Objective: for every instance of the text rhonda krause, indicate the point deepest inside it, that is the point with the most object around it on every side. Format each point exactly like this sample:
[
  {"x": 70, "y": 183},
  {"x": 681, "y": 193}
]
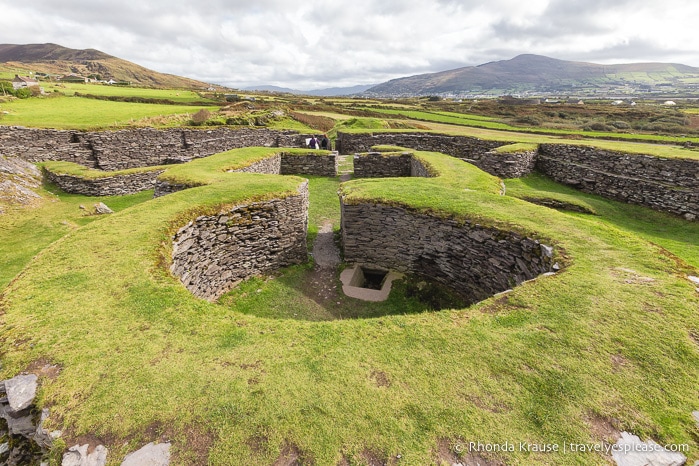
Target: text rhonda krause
[{"x": 566, "y": 447}]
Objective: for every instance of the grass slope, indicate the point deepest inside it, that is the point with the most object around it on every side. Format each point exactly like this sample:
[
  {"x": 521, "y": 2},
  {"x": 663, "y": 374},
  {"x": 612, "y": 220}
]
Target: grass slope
[{"x": 611, "y": 340}]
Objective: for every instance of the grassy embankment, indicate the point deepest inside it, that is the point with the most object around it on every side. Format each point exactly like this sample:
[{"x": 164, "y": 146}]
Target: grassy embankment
[{"x": 607, "y": 342}]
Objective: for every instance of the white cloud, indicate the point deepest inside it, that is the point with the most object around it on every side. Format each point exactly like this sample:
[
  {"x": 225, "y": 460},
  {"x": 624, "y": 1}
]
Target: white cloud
[{"x": 314, "y": 43}]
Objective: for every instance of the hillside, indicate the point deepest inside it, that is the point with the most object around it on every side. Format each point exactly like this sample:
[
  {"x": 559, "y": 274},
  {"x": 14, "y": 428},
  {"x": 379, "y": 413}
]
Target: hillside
[
  {"x": 55, "y": 59},
  {"x": 535, "y": 74}
]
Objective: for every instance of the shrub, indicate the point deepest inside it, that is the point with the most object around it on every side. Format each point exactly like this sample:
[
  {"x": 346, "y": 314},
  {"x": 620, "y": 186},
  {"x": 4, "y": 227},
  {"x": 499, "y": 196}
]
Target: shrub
[
  {"x": 23, "y": 93},
  {"x": 200, "y": 117},
  {"x": 620, "y": 124},
  {"x": 528, "y": 120}
]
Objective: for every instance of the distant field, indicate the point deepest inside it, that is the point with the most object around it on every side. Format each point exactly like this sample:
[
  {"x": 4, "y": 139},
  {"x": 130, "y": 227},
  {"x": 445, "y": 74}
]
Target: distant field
[
  {"x": 124, "y": 91},
  {"x": 83, "y": 113},
  {"x": 488, "y": 123}
]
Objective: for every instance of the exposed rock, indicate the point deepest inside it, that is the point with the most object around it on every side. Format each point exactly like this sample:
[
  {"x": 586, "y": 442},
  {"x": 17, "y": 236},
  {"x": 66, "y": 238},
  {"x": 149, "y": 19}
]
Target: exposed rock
[
  {"x": 150, "y": 455},
  {"x": 695, "y": 414},
  {"x": 80, "y": 455},
  {"x": 631, "y": 451},
  {"x": 101, "y": 209},
  {"x": 21, "y": 391}
]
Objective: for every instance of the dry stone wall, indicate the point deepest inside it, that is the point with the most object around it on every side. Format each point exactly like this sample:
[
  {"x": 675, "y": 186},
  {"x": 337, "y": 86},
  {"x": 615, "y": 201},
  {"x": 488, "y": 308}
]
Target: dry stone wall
[
  {"x": 386, "y": 165},
  {"x": 311, "y": 164},
  {"x": 475, "y": 261},
  {"x": 213, "y": 253},
  {"x": 131, "y": 148},
  {"x": 472, "y": 150},
  {"x": 118, "y": 185},
  {"x": 282, "y": 163},
  {"x": 669, "y": 185}
]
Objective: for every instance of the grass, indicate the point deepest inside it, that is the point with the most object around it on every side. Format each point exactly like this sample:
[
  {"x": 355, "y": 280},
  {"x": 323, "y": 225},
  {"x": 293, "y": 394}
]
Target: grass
[
  {"x": 140, "y": 357},
  {"x": 487, "y": 123},
  {"x": 612, "y": 339},
  {"x": 74, "y": 169},
  {"x": 82, "y": 113}
]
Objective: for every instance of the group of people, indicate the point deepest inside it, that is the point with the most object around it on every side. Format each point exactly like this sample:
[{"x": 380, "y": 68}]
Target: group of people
[{"x": 317, "y": 142}]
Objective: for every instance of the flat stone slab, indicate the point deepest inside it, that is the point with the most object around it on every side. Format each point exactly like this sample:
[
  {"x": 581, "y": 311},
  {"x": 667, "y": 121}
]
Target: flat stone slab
[
  {"x": 21, "y": 391},
  {"x": 695, "y": 414},
  {"x": 150, "y": 455},
  {"x": 78, "y": 455},
  {"x": 366, "y": 294},
  {"x": 629, "y": 450}
]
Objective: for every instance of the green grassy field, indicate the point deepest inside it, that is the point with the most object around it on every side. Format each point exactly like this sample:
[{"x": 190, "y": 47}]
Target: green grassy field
[
  {"x": 488, "y": 123},
  {"x": 608, "y": 343},
  {"x": 82, "y": 113},
  {"x": 269, "y": 371}
]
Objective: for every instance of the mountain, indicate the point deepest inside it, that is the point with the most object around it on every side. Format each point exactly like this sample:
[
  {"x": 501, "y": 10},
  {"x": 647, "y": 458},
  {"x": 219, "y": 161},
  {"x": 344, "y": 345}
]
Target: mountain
[
  {"x": 329, "y": 92},
  {"x": 54, "y": 59},
  {"x": 538, "y": 74}
]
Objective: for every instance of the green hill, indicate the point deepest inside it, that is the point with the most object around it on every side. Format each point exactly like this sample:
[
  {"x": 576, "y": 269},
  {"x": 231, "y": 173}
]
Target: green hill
[
  {"x": 539, "y": 74},
  {"x": 57, "y": 60}
]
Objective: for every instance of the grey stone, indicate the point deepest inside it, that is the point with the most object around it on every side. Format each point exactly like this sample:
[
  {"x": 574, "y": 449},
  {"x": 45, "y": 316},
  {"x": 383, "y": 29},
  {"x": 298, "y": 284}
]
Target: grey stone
[
  {"x": 695, "y": 414},
  {"x": 18, "y": 422},
  {"x": 21, "y": 391},
  {"x": 150, "y": 455},
  {"x": 631, "y": 451},
  {"x": 101, "y": 208},
  {"x": 4, "y": 448},
  {"x": 693, "y": 279},
  {"x": 78, "y": 455}
]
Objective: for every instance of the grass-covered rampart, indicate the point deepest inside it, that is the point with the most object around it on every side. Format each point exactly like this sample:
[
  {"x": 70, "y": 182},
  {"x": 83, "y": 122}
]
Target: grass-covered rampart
[{"x": 611, "y": 343}]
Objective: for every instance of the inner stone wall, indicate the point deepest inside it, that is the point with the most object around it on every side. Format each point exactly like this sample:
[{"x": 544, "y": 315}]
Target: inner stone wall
[
  {"x": 475, "y": 261},
  {"x": 213, "y": 253},
  {"x": 472, "y": 150},
  {"x": 669, "y": 185},
  {"x": 131, "y": 148},
  {"x": 108, "y": 186},
  {"x": 386, "y": 165}
]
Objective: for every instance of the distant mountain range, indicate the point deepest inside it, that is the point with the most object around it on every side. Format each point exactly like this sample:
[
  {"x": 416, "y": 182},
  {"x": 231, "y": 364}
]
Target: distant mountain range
[
  {"x": 331, "y": 91},
  {"x": 524, "y": 75},
  {"x": 535, "y": 74},
  {"x": 54, "y": 59}
]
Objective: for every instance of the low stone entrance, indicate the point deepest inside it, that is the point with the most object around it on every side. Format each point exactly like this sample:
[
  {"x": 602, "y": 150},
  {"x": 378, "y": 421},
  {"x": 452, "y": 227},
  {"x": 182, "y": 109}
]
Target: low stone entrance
[{"x": 368, "y": 283}]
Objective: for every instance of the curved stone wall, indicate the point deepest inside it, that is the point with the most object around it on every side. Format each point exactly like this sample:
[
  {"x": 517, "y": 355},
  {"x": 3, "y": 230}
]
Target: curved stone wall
[
  {"x": 132, "y": 148},
  {"x": 669, "y": 185},
  {"x": 213, "y": 253},
  {"x": 117, "y": 185},
  {"x": 472, "y": 150},
  {"x": 475, "y": 261}
]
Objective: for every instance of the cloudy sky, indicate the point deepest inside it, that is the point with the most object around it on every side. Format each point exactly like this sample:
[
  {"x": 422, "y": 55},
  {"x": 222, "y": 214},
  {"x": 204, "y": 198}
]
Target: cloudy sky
[{"x": 313, "y": 44}]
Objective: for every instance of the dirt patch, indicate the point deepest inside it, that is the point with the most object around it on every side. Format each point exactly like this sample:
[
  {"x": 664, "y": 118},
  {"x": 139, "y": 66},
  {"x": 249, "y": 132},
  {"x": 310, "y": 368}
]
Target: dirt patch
[
  {"x": 694, "y": 336},
  {"x": 292, "y": 455},
  {"x": 454, "y": 452},
  {"x": 618, "y": 362},
  {"x": 258, "y": 444},
  {"x": 604, "y": 429},
  {"x": 43, "y": 368},
  {"x": 374, "y": 458},
  {"x": 487, "y": 405},
  {"x": 321, "y": 283},
  {"x": 631, "y": 277},
  {"x": 380, "y": 378}
]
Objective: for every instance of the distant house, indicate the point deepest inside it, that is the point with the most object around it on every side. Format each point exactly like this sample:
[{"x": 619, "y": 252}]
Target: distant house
[{"x": 21, "y": 81}]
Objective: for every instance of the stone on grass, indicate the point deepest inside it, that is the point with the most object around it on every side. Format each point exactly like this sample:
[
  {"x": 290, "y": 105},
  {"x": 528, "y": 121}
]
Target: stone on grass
[
  {"x": 696, "y": 417},
  {"x": 78, "y": 455},
  {"x": 150, "y": 455},
  {"x": 101, "y": 208},
  {"x": 631, "y": 451},
  {"x": 21, "y": 391}
]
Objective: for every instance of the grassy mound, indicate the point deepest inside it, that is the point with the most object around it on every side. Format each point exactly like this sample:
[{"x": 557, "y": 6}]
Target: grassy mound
[{"x": 610, "y": 343}]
